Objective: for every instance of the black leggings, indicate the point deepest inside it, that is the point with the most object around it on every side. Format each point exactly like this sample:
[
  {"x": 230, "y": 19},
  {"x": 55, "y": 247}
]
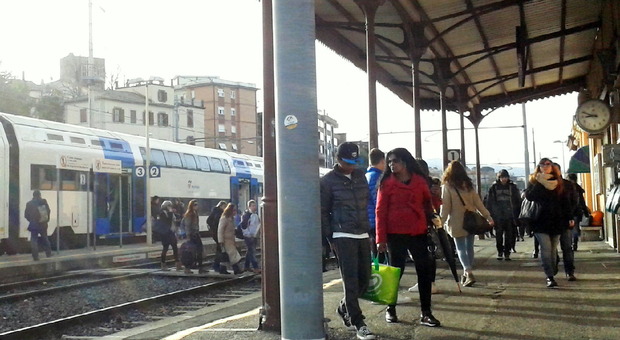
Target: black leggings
[
  {"x": 398, "y": 245},
  {"x": 168, "y": 240}
]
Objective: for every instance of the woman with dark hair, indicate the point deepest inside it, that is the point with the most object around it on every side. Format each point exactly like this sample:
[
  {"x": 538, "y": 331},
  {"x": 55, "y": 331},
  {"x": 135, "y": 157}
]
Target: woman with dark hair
[
  {"x": 226, "y": 238},
  {"x": 546, "y": 187},
  {"x": 190, "y": 223},
  {"x": 458, "y": 195},
  {"x": 403, "y": 205}
]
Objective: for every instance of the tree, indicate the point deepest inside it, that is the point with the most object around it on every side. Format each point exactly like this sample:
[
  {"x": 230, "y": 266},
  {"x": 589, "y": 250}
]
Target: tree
[
  {"x": 14, "y": 96},
  {"x": 50, "y": 108}
]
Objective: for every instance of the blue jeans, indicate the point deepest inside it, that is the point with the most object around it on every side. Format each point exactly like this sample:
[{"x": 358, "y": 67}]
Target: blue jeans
[
  {"x": 568, "y": 257},
  {"x": 548, "y": 252},
  {"x": 465, "y": 251},
  {"x": 250, "y": 255}
]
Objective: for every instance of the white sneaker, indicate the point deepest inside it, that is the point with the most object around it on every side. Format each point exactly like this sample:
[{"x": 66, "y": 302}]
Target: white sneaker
[
  {"x": 414, "y": 288},
  {"x": 365, "y": 334}
]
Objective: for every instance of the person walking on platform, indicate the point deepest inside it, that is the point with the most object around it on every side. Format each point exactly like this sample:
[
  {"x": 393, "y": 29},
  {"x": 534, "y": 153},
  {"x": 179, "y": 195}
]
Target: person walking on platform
[
  {"x": 250, "y": 235},
  {"x": 213, "y": 222},
  {"x": 436, "y": 205},
  {"x": 38, "y": 215},
  {"x": 504, "y": 203},
  {"x": 458, "y": 195},
  {"x": 190, "y": 223},
  {"x": 547, "y": 188},
  {"x": 582, "y": 210},
  {"x": 226, "y": 238},
  {"x": 373, "y": 173},
  {"x": 344, "y": 222},
  {"x": 168, "y": 237},
  {"x": 566, "y": 238},
  {"x": 403, "y": 208}
]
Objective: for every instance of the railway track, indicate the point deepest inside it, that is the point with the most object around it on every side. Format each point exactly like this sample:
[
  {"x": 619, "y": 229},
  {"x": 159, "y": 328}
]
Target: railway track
[{"x": 219, "y": 291}]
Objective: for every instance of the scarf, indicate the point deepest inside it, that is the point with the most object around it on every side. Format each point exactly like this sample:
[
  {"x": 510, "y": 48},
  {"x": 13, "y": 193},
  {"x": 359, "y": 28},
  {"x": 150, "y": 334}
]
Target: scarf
[{"x": 547, "y": 181}]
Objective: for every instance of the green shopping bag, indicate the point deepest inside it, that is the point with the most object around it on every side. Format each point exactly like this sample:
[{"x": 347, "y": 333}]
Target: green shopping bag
[{"x": 383, "y": 285}]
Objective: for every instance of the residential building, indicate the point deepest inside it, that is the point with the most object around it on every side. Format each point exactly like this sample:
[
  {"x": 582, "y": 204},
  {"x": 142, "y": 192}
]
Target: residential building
[
  {"x": 123, "y": 110},
  {"x": 328, "y": 141},
  {"x": 231, "y": 121}
]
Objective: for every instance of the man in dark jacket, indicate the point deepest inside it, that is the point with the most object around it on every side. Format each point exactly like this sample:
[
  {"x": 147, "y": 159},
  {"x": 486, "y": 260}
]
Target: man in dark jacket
[
  {"x": 344, "y": 222},
  {"x": 504, "y": 203},
  {"x": 213, "y": 222},
  {"x": 38, "y": 214}
]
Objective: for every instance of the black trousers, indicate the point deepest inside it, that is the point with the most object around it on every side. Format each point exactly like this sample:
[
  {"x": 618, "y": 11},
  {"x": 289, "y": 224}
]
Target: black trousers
[
  {"x": 169, "y": 240},
  {"x": 504, "y": 236},
  {"x": 398, "y": 245},
  {"x": 354, "y": 260}
]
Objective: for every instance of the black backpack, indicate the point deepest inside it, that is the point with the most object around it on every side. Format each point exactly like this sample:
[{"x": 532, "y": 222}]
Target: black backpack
[{"x": 245, "y": 219}]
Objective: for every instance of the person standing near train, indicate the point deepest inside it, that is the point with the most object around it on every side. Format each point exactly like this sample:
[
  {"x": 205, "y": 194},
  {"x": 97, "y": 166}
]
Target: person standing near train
[
  {"x": 226, "y": 238},
  {"x": 250, "y": 235},
  {"x": 213, "y": 222},
  {"x": 38, "y": 214},
  {"x": 168, "y": 238},
  {"x": 190, "y": 223}
]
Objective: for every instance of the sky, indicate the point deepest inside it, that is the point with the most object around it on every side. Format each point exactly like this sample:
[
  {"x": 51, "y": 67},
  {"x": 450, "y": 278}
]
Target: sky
[{"x": 144, "y": 38}]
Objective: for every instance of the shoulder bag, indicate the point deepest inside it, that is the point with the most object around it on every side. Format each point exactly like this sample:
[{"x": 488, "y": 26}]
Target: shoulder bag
[
  {"x": 530, "y": 210},
  {"x": 473, "y": 222}
]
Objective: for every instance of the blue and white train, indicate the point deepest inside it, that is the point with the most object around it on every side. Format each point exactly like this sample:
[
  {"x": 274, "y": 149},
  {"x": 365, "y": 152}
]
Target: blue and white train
[{"x": 111, "y": 204}]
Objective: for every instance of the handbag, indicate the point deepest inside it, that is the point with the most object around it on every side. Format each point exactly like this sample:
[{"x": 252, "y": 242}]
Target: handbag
[
  {"x": 239, "y": 233},
  {"x": 383, "y": 284},
  {"x": 530, "y": 210},
  {"x": 473, "y": 222}
]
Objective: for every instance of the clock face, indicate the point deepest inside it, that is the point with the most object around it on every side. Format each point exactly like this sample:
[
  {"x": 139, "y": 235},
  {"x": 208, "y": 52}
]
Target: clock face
[{"x": 593, "y": 115}]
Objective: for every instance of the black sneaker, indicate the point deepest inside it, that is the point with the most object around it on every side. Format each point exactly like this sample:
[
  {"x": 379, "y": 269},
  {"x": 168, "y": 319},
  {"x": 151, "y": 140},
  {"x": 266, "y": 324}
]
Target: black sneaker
[
  {"x": 499, "y": 257},
  {"x": 534, "y": 255},
  {"x": 551, "y": 282},
  {"x": 571, "y": 277},
  {"x": 427, "y": 319},
  {"x": 390, "y": 315},
  {"x": 507, "y": 257},
  {"x": 345, "y": 318}
]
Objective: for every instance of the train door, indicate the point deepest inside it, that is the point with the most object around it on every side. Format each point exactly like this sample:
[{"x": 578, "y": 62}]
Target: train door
[{"x": 111, "y": 204}]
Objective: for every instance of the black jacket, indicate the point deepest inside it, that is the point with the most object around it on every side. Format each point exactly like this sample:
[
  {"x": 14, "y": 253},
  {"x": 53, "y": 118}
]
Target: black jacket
[
  {"x": 556, "y": 209},
  {"x": 33, "y": 216},
  {"x": 344, "y": 203},
  {"x": 494, "y": 205},
  {"x": 213, "y": 221}
]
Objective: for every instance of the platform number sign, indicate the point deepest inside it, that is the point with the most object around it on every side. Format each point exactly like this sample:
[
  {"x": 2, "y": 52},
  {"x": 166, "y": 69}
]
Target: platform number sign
[
  {"x": 454, "y": 154},
  {"x": 154, "y": 171}
]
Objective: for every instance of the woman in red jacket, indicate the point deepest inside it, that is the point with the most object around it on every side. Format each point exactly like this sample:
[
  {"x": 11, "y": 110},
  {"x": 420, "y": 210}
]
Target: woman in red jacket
[{"x": 403, "y": 204}]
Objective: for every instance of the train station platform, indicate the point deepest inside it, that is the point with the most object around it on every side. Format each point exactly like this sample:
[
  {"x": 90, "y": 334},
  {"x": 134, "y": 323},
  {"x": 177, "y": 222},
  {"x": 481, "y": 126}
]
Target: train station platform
[
  {"x": 510, "y": 300},
  {"x": 22, "y": 266}
]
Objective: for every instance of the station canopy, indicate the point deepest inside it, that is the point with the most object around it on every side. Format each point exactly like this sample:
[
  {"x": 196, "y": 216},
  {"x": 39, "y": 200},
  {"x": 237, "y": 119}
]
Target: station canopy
[{"x": 485, "y": 53}]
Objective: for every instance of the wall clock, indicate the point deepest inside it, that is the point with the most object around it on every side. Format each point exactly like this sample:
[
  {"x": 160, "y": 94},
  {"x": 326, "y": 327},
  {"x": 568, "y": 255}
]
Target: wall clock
[{"x": 593, "y": 116}]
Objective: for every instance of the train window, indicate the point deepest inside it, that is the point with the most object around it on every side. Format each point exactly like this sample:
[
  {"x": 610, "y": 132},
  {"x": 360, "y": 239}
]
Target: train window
[
  {"x": 257, "y": 165},
  {"x": 157, "y": 157},
  {"x": 190, "y": 161},
  {"x": 204, "y": 163},
  {"x": 116, "y": 146},
  {"x": 226, "y": 166},
  {"x": 70, "y": 180},
  {"x": 249, "y": 164},
  {"x": 216, "y": 165},
  {"x": 95, "y": 142},
  {"x": 173, "y": 159},
  {"x": 42, "y": 177},
  {"x": 51, "y": 136},
  {"x": 237, "y": 162},
  {"x": 77, "y": 140}
]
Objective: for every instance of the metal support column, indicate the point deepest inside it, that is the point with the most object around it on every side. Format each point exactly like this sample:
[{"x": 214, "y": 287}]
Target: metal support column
[
  {"x": 270, "y": 312},
  {"x": 369, "y": 7},
  {"x": 444, "y": 126},
  {"x": 461, "y": 94},
  {"x": 417, "y": 46},
  {"x": 299, "y": 222},
  {"x": 526, "y": 154}
]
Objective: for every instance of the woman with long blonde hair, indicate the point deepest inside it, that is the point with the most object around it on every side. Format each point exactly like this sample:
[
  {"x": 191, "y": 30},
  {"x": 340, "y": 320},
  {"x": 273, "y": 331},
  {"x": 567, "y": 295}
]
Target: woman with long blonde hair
[
  {"x": 546, "y": 187},
  {"x": 458, "y": 195}
]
